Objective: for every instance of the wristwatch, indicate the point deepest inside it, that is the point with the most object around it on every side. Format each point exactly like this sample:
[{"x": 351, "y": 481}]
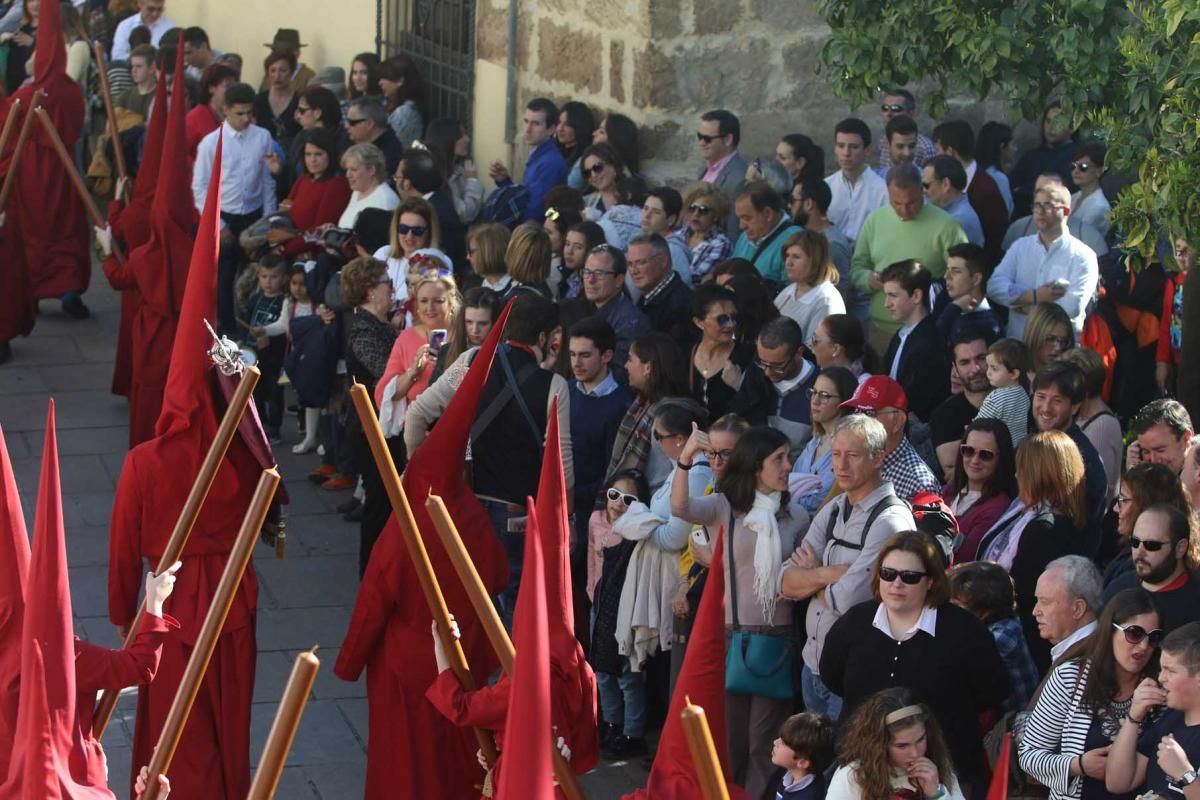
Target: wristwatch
[{"x": 1186, "y": 779}]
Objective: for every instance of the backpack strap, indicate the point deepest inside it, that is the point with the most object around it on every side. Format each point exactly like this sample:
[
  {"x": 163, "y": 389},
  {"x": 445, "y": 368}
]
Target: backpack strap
[
  {"x": 509, "y": 391},
  {"x": 889, "y": 501},
  {"x": 732, "y": 569}
]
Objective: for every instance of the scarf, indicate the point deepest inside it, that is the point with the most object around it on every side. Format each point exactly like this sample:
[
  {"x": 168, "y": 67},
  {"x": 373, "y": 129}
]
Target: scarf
[
  {"x": 767, "y": 558},
  {"x": 1003, "y": 548}
]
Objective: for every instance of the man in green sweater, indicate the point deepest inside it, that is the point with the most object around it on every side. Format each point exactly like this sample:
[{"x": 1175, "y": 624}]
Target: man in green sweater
[{"x": 906, "y": 228}]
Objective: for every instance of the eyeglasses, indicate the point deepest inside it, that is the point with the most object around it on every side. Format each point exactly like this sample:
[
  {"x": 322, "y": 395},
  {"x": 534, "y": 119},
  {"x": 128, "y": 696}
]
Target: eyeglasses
[
  {"x": 909, "y": 576},
  {"x": 1046, "y": 208},
  {"x": 705, "y": 138},
  {"x": 727, "y": 321},
  {"x": 552, "y": 214},
  {"x": 821, "y": 397},
  {"x": 868, "y": 412},
  {"x": 1082, "y": 166},
  {"x": 697, "y": 208},
  {"x": 969, "y": 452},
  {"x": 1136, "y": 634},
  {"x": 1151, "y": 545},
  {"x": 658, "y": 437},
  {"x": 1061, "y": 341},
  {"x": 772, "y": 367},
  {"x": 616, "y": 494},
  {"x": 595, "y": 169},
  {"x": 1120, "y": 501},
  {"x": 350, "y": 123},
  {"x": 596, "y": 274},
  {"x": 718, "y": 455},
  {"x": 892, "y": 108},
  {"x": 415, "y": 230},
  {"x": 303, "y": 109},
  {"x": 640, "y": 263}
]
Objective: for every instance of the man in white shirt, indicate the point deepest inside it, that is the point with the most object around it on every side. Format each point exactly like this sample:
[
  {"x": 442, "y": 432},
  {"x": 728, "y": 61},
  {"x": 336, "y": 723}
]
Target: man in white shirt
[
  {"x": 1051, "y": 267},
  {"x": 150, "y": 14},
  {"x": 857, "y": 190},
  {"x": 1067, "y": 600},
  {"x": 247, "y": 188}
]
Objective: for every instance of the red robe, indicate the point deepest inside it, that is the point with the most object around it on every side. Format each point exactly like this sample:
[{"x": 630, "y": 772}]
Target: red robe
[{"x": 18, "y": 310}]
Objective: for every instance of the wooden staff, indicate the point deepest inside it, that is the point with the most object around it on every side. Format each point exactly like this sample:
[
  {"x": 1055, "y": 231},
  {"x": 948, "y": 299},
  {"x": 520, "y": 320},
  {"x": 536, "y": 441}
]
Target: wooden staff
[
  {"x": 10, "y": 180},
  {"x": 187, "y": 518},
  {"x": 704, "y": 752},
  {"x": 210, "y": 631},
  {"x": 80, "y": 188},
  {"x": 283, "y": 729},
  {"x": 10, "y": 122},
  {"x": 490, "y": 620},
  {"x": 416, "y": 550},
  {"x": 114, "y": 135}
]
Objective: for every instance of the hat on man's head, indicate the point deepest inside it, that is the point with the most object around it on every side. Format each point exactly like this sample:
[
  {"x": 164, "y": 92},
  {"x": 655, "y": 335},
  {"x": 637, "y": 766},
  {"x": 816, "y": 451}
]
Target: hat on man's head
[
  {"x": 876, "y": 393},
  {"x": 285, "y": 38}
]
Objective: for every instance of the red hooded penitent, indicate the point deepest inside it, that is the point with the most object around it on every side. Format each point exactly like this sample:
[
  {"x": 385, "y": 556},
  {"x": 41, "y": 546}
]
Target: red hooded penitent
[
  {"x": 52, "y": 221},
  {"x": 389, "y": 629},
  {"x": 14, "y": 571},
  {"x": 131, "y": 228}
]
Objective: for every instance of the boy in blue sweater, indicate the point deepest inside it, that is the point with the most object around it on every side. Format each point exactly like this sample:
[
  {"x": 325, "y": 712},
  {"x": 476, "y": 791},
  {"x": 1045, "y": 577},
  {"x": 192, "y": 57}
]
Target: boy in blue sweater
[{"x": 805, "y": 749}]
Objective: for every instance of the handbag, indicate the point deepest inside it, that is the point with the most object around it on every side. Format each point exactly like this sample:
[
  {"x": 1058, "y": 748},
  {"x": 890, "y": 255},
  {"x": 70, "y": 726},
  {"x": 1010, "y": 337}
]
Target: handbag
[{"x": 756, "y": 663}]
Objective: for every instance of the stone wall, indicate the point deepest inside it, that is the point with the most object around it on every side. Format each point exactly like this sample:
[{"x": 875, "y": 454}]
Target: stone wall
[{"x": 665, "y": 62}]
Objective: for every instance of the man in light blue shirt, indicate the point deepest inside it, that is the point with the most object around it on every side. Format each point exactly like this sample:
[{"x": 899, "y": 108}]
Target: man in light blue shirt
[{"x": 945, "y": 184}]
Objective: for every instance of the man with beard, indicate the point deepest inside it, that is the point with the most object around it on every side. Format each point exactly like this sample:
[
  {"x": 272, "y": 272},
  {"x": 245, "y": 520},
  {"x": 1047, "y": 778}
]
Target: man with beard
[
  {"x": 1160, "y": 558},
  {"x": 969, "y": 366}
]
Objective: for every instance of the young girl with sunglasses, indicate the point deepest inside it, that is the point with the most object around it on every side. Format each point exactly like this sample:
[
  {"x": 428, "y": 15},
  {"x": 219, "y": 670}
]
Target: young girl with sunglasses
[
  {"x": 914, "y": 636},
  {"x": 1083, "y": 702},
  {"x": 893, "y": 747}
]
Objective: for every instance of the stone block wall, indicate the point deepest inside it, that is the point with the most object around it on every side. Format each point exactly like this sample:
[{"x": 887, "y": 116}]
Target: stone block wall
[{"x": 665, "y": 62}]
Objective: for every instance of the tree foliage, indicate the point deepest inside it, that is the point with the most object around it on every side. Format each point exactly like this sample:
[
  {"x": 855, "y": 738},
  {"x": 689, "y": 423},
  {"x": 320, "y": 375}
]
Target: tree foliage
[{"x": 1128, "y": 69}]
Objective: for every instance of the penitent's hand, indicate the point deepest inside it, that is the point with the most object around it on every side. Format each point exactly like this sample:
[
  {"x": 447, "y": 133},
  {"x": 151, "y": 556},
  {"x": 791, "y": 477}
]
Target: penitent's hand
[
  {"x": 143, "y": 781},
  {"x": 104, "y": 238},
  {"x": 159, "y": 588}
]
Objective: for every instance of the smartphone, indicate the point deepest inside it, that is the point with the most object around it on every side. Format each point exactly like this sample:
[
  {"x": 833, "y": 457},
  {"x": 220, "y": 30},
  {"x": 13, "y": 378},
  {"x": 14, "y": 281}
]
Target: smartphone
[
  {"x": 1061, "y": 283},
  {"x": 436, "y": 339}
]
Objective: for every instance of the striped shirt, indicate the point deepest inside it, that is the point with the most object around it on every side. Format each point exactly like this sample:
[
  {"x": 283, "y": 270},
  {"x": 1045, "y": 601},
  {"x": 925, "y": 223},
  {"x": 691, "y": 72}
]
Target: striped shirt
[{"x": 1010, "y": 405}]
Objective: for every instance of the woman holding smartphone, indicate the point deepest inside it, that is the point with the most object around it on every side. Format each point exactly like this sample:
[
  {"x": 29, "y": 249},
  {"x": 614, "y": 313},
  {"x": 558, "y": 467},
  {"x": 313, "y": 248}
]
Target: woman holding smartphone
[{"x": 411, "y": 363}]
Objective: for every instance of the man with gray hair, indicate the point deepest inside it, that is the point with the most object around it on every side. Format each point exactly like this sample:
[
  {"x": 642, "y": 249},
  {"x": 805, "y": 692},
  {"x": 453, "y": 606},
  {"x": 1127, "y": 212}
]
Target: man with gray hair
[
  {"x": 1067, "y": 600},
  {"x": 665, "y": 298},
  {"x": 832, "y": 567},
  {"x": 367, "y": 123}
]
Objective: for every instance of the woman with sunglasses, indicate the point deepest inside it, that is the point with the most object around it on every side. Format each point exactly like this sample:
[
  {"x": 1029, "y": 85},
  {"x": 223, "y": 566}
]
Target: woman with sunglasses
[
  {"x": 414, "y": 227},
  {"x": 751, "y": 505},
  {"x": 1085, "y": 699},
  {"x": 983, "y": 485},
  {"x": 1045, "y": 521},
  {"x": 704, "y": 205},
  {"x": 1141, "y": 487},
  {"x": 602, "y": 169},
  {"x": 812, "y": 294},
  {"x": 1048, "y": 334},
  {"x": 812, "y": 474},
  {"x": 718, "y": 361},
  {"x": 943, "y": 653}
]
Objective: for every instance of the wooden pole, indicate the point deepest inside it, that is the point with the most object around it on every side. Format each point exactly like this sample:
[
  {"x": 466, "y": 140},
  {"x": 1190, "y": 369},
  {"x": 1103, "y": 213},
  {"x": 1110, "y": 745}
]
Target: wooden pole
[
  {"x": 493, "y": 628},
  {"x": 10, "y": 123},
  {"x": 80, "y": 188},
  {"x": 283, "y": 729},
  {"x": 210, "y": 631},
  {"x": 187, "y": 517},
  {"x": 114, "y": 135},
  {"x": 416, "y": 550},
  {"x": 10, "y": 180},
  {"x": 704, "y": 752}
]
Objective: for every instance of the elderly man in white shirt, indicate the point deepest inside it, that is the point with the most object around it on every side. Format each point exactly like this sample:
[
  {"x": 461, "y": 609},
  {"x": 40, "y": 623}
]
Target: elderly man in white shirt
[
  {"x": 1049, "y": 267},
  {"x": 150, "y": 14}
]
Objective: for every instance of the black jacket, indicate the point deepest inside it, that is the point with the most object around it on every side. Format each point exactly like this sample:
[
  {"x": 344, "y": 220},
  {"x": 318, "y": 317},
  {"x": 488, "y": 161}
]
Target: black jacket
[
  {"x": 452, "y": 236},
  {"x": 957, "y": 672},
  {"x": 924, "y": 369},
  {"x": 670, "y": 312}
]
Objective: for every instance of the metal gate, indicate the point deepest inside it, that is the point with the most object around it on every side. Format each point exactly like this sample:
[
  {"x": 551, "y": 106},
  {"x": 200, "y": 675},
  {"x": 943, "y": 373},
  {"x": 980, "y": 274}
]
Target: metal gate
[{"x": 440, "y": 36}]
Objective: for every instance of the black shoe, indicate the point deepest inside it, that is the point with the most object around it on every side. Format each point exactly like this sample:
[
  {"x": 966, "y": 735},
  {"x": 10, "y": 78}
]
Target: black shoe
[
  {"x": 608, "y": 732},
  {"x": 5, "y": 352},
  {"x": 73, "y": 307},
  {"x": 348, "y": 506},
  {"x": 355, "y": 514},
  {"x": 622, "y": 748}
]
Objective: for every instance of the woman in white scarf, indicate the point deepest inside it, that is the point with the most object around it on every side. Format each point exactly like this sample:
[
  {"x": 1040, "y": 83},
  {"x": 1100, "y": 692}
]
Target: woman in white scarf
[{"x": 751, "y": 495}]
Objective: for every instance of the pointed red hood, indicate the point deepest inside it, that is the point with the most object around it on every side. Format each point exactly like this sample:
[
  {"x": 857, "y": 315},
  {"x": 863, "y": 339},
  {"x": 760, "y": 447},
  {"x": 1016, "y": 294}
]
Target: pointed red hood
[
  {"x": 46, "y": 726},
  {"x": 14, "y": 571},
  {"x": 50, "y": 58},
  {"x": 702, "y": 678},
  {"x": 172, "y": 200},
  {"x": 571, "y": 669},
  {"x": 188, "y": 390},
  {"x": 528, "y": 772}
]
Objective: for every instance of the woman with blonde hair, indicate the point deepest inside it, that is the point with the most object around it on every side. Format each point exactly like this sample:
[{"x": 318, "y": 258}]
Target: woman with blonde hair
[
  {"x": 528, "y": 259},
  {"x": 1048, "y": 334},
  {"x": 1045, "y": 521},
  {"x": 414, "y": 230},
  {"x": 410, "y": 365},
  {"x": 487, "y": 244},
  {"x": 705, "y": 206},
  {"x": 812, "y": 294}
]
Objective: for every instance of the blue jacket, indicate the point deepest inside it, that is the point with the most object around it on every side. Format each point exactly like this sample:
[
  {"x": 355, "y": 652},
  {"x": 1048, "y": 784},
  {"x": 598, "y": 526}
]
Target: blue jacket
[{"x": 545, "y": 169}]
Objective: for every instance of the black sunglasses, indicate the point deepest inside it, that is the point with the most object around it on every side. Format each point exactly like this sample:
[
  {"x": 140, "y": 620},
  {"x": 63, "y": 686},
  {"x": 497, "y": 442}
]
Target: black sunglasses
[
  {"x": 697, "y": 208},
  {"x": 893, "y": 108},
  {"x": 1150, "y": 545},
  {"x": 704, "y": 137},
  {"x": 595, "y": 169},
  {"x": 726, "y": 320},
  {"x": 1082, "y": 166},
  {"x": 658, "y": 437},
  {"x": 909, "y": 576},
  {"x": 617, "y": 494},
  {"x": 969, "y": 452},
  {"x": 352, "y": 122},
  {"x": 1136, "y": 634},
  {"x": 415, "y": 230}
]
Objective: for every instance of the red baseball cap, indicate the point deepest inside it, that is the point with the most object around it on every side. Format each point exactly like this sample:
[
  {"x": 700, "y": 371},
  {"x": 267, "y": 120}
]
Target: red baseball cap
[{"x": 876, "y": 393}]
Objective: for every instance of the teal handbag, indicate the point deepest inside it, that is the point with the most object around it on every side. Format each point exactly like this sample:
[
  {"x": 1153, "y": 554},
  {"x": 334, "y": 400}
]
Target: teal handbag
[{"x": 756, "y": 663}]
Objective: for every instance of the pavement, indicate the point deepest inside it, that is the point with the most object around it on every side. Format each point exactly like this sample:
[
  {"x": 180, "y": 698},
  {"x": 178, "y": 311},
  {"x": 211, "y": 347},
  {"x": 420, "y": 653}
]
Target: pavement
[{"x": 304, "y": 599}]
